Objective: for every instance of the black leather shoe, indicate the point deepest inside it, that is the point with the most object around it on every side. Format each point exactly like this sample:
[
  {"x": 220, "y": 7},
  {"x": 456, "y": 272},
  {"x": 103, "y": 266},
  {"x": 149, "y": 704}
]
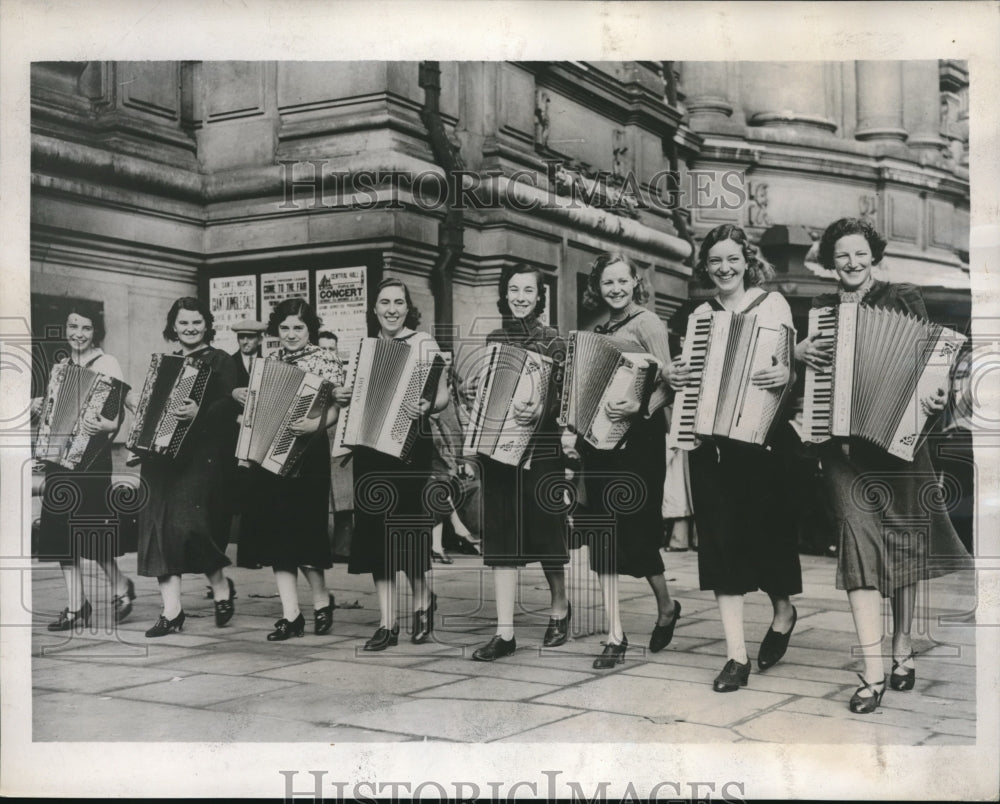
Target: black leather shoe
[
  {"x": 496, "y": 648},
  {"x": 902, "y": 682},
  {"x": 68, "y": 620},
  {"x": 774, "y": 645},
  {"x": 558, "y": 631},
  {"x": 383, "y": 638},
  {"x": 224, "y": 611},
  {"x": 442, "y": 557},
  {"x": 733, "y": 676},
  {"x": 163, "y": 626},
  {"x": 662, "y": 634},
  {"x": 123, "y": 603},
  {"x": 324, "y": 618},
  {"x": 612, "y": 655},
  {"x": 423, "y": 622},
  {"x": 866, "y": 704},
  {"x": 286, "y": 630}
]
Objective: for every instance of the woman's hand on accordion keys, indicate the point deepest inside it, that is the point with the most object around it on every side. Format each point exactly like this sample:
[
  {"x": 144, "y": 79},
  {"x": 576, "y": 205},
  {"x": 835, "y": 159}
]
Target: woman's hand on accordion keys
[
  {"x": 773, "y": 377},
  {"x": 91, "y": 425},
  {"x": 342, "y": 395},
  {"x": 186, "y": 410},
  {"x": 240, "y": 395},
  {"x": 816, "y": 351},
  {"x": 933, "y": 403},
  {"x": 622, "y": 409},
  {"x": 526, "y": 413},
  {"x": 422, "y": 408},
  {"x": 678, "y": 374},
  {"x": 305, "y": 425},
  {"x": 36, "y": 407},
  {"x": 568, "y": 442}
]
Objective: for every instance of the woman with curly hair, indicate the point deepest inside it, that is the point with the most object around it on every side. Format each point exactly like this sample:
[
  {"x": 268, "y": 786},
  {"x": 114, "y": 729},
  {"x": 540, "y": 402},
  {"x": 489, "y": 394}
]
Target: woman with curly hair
[
  {"x": 876, "y": 558},
  {"x": 187, "y": 515},
  {"x": 626, "y": 484},
  {"x": 284, "y": 519},
  {"x": 380, "y": 546},
  {"x": 747, "y": 539}
]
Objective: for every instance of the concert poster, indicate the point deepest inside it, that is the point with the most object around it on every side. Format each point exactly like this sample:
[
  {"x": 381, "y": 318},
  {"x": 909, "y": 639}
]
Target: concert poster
[
  {"x": 340, "y": 304},
  {"x": 231, "y": 299}
]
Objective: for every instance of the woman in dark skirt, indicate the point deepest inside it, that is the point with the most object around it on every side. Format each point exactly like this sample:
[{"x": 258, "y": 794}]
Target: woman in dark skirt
[
  {"x": 625, "y": 485},
  {"x": 88, "y": 488},
  {"x": 747, "y": 539},
  {"x": 284, "y": 521},
  {"x": 518, "y": 529},
  {"x": 392, "y": 524},
  {"x": 875, "y": 497},
  {"x": 181, "y": 525}
]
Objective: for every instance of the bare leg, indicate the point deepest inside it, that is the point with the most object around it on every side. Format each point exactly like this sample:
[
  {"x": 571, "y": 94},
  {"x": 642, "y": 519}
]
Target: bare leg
[
  {"x": 460, "y": 529},
  {"x": 783, "y": 613},
  {"x": 903, "y": 601},
  {"x": 436, "y": 538},
  {"x": 73, "y": 576},
  {"x": 170, "y": 591},
  {"x": 557, "y": 589},
  {"x": 220, "y": 586},
  {"x": 288, "y": 591},
  {"x": 421, "y": 590},
  {"x": 505, "y": 592},
  {"x": 386, "y": 591},
  {"x": 731, "y": 614},
  {"x": 866, "y": 607},
  {"x": 609, "y": 590},
  {"x": 664, "y": 605}
]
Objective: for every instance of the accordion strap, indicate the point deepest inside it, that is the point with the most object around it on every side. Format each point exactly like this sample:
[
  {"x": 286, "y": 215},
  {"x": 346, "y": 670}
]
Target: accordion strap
[{"x": 717, "y": 305}]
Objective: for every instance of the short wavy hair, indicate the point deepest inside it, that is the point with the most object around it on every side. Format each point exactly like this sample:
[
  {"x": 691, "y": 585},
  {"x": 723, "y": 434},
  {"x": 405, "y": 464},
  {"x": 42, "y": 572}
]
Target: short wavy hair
[
  {"x": 92, "y": 312},
  {"x": 592, "y": 298},
  {"x": 757, "y": 271},
  {"x": 300, "y": 308},
  {"x": 412, "y": 313},
  {"x": 194, "y": 305},
  {"x": 844, "y": 228},
  {"x": 508, "y": 273}
]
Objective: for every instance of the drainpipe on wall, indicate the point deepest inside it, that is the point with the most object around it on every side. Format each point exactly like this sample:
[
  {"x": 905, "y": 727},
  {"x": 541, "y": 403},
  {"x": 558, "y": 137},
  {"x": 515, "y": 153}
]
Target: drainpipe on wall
[{"x": 450, "y": 230}]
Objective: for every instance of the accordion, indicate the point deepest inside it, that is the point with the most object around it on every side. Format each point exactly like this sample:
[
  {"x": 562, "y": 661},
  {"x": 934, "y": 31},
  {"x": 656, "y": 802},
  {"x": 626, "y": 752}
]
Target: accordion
[
  {"x": 884, "y": 363},
  {"x": 74, "y": 394},
  {"x": 724, "y": 350},
  {"x": 169, "y": 381},
  {"x": 388, "y": 374},
  {"x": 278, "y": 394},
  {"x": 602, "y": 369},
  {"x": 509, "y": 375}
]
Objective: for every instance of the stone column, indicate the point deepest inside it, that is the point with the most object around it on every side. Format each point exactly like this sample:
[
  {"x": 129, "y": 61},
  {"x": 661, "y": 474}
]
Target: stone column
[
  {"x": 787, "y": 94},
  {"x": 707, "y": 95},
  {"x": 880, "y": 101},
  {"x": 922, "y": 106}
]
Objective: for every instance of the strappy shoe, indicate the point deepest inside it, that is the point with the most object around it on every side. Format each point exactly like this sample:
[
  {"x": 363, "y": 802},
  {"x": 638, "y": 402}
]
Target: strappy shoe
[
  {"x": 163, "y": 626},
  {"x": 866, "y": 704},
  {"x": 902, "y": 682},
  {"x": 611, "y": 655},
  {"x": 123, "y": 603},
  {"x": 68, "y": 620},
  {"x": 324, "y": 618},
  {"x": 283, "y": 629}
]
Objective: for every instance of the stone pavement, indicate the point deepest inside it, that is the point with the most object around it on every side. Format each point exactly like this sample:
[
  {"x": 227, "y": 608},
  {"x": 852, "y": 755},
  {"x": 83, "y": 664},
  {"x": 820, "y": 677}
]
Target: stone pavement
[{"x": 209, "y": 684}]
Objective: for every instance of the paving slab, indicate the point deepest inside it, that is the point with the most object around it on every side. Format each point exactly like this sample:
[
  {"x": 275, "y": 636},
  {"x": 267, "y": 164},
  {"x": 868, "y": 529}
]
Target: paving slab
[
  {"x": 202, "y": 690},
  {"x": 788, "y": 727},
  {"x": 489, "y": 689},
  {"x": 757, "y": 681},
  {"x": 97, "y": 678},
  {"x": 836, "y": 708},
  {"x": 349, "y": 677},
  {"x": 504, "y": 669},
  {"x": 603, "y": 727}
]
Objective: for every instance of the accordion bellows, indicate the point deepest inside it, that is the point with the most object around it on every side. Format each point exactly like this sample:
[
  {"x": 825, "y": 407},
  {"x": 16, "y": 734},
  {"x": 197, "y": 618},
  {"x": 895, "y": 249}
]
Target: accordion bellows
[
  {"x": 278, "y": 394},
  {"x": 602, "y": 369},
  {"x": 724, "y": 350},
  {"x": 169, "y": 381},
  {"x": 508, "y": 375},
  {"x": 388, "y": 375},
  {"x": 884, "y": 363},
  {"x": 74, "y": 394}
]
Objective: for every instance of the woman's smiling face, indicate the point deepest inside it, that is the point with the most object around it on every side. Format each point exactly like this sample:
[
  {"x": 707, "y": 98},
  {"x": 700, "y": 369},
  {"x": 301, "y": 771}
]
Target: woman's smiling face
[
  {"x": 617, "y": 285},
  {"x": 727, "y": 266}
]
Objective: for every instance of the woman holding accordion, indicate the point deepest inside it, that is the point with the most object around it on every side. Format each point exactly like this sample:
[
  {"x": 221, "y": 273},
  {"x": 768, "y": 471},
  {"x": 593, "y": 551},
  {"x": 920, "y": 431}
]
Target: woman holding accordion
[
  {"x": 187, "y": 514},
  {"x": 873, "y": 494},
  {"x": 284, "y": 522},
  {"x": 88, "y": 486},
  {"x": 626, "y": 484},
  {"x": 746, "y": 536},
  {"x": 381, "y": 546},
  {"x": 518, "y": 529}
]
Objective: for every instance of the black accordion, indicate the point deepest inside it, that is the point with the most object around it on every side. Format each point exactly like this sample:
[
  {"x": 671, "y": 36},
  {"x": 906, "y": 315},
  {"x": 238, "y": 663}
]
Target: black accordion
[
  {"x": 278, "y": 394},
  {"x": 724, "y": 350},
  {"x": 508, "y": 376},
  {"x": 602, "y": 369},
  {"x": 73, "y": 395},
  {"x": 387, "y": 374},
  {"x": 884, "y": 363},
  {"x": 169, "y": 381}
]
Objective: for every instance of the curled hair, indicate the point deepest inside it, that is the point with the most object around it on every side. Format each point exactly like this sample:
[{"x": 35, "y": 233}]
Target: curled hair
[
  {"x": 508, "y": 273},
  {"x": 412, "y": 313},
  {"x": 92, "y": 312},
  {"x": 844, "y": 228},
  {"x": 757, "y": 271},
  {"x": 192, "y": 304},
  {"x": 300, "y": 308},
  {"x": 592, "y": 298}
]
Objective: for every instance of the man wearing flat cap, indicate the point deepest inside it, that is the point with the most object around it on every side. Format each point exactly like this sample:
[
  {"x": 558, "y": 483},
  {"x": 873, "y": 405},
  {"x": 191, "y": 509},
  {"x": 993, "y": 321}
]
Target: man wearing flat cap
[{"x": 249, "y": 335}]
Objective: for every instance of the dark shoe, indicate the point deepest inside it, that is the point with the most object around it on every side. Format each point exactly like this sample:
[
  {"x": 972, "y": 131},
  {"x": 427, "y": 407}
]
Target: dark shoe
[
  {"x": 224, "y": 611},
  {"x": 324, "y": 618},
  {"x": 902, "y": 682},
  {"x": 423, "y": 622},
  {"x": 558, "y": 631},
  {"x": 612, "y": 655},
  {"x": 866, "y": 704},
  {"x": 442, "y": 557},
  {"x": 468, "y": 547},
  {"x": 383, "y": 638},
  {"x": 733, "y": 676},
  {"x": 496, "y": 648},
  {"x": 774, "y": 645},
  {"x": 68, "y": 620},
  {"x": 232, "y": 589},
  {"x": 286, "y": 630},
  {"x": 662, "y": 634},
  {"x": 163, "y": 626},
  {"x": 123, "y": 603}
]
